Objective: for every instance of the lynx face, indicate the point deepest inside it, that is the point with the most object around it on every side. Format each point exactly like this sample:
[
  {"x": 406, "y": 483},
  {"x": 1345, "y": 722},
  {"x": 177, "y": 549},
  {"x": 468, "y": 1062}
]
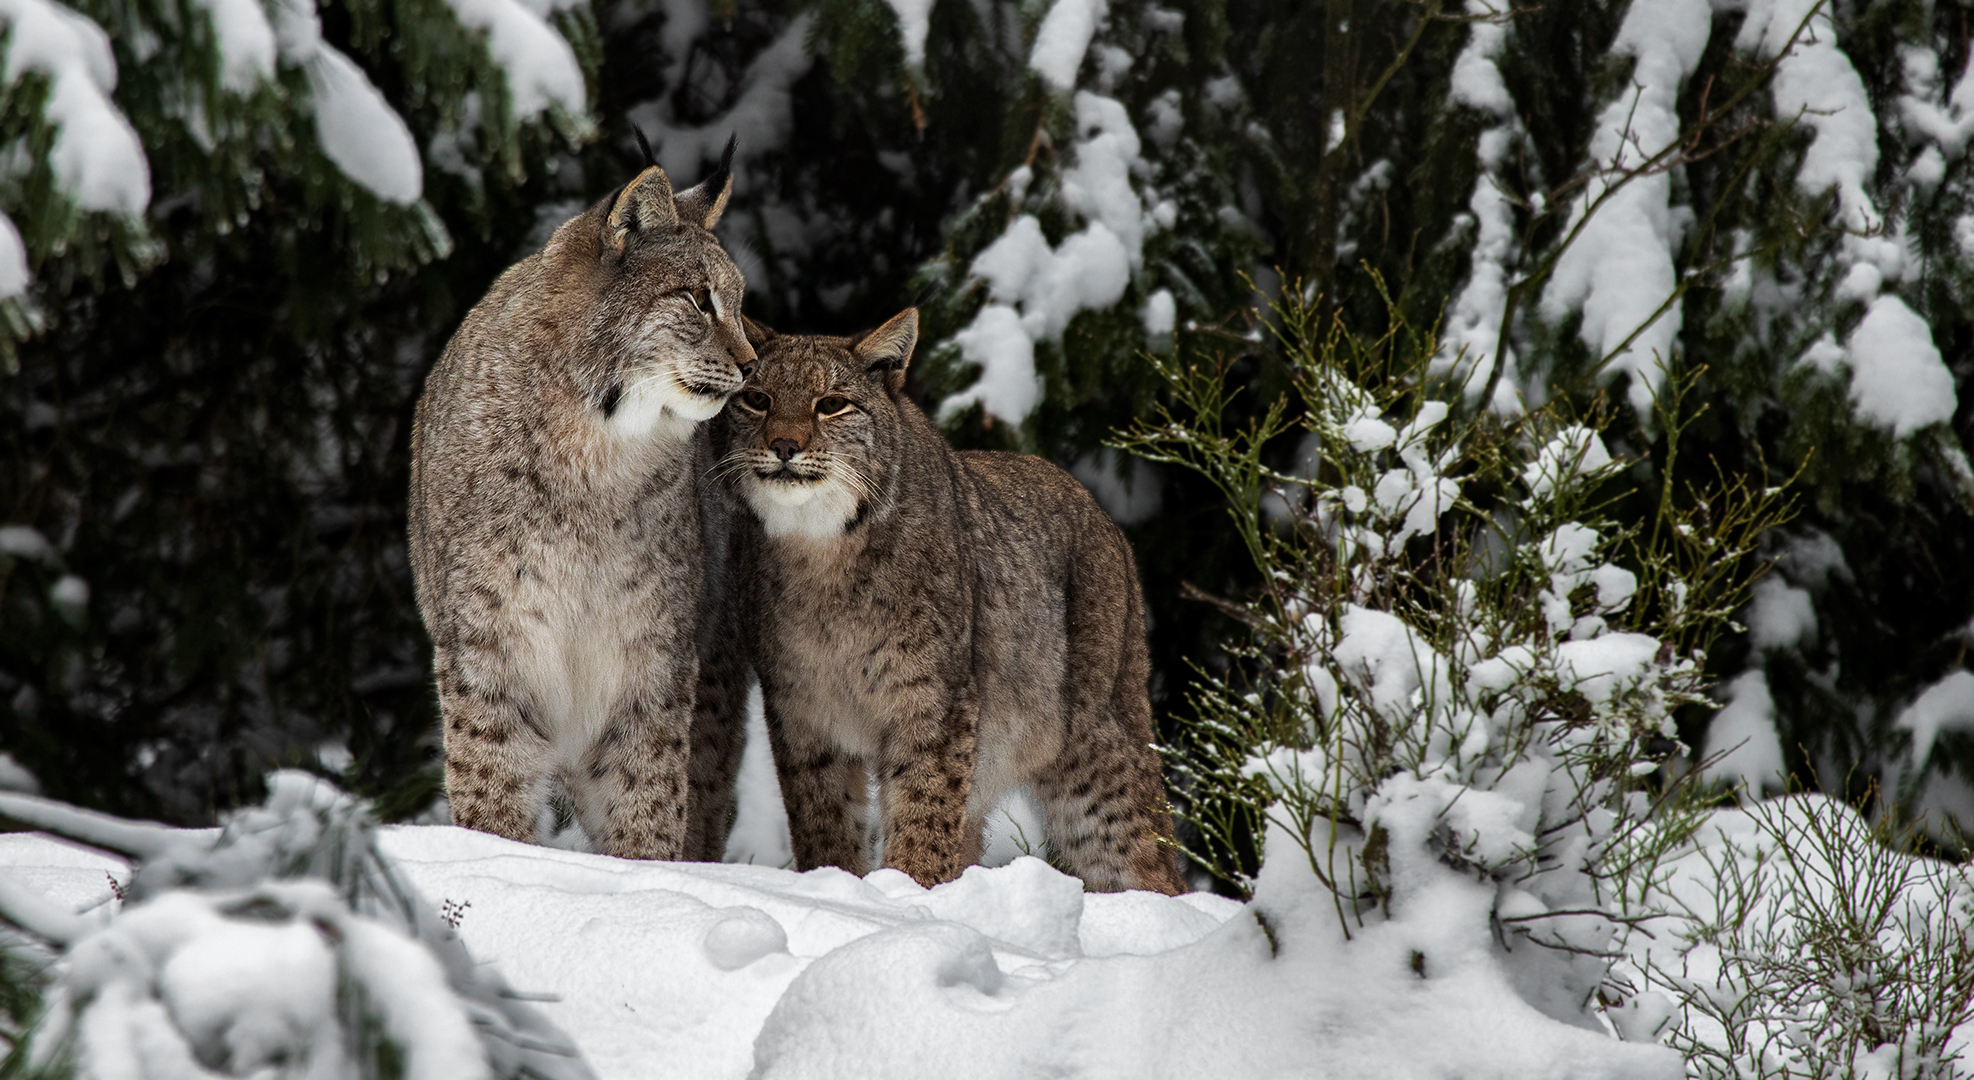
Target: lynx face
[
  {"x": 674, "y": 319},
  {"x": 814, "y": 431},
  {"x": 660, "y": 330}
]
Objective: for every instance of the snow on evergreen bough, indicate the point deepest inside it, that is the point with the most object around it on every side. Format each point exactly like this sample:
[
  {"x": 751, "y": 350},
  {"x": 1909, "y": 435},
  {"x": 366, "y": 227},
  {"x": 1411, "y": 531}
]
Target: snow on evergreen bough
[{"x": 282, "y": 944}]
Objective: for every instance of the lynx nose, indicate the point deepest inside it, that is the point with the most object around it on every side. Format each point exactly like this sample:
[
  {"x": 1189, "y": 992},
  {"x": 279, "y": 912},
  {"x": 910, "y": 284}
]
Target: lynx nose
[
  {"x": 784, "y": 448},
  {"x": 747, "y": 370}
]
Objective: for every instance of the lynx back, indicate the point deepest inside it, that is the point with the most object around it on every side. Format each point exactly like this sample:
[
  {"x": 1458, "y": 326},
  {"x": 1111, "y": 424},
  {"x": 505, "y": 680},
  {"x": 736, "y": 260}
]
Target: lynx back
[
  {"x": 557, "y": 521},
  {"x": 953, "y": 624}
]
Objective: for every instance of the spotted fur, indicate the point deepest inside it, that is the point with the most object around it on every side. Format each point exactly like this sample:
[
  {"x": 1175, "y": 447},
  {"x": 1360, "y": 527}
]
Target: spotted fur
[
  {"x": 953, "y": 624},
  {"x": 558, "y": 537}
]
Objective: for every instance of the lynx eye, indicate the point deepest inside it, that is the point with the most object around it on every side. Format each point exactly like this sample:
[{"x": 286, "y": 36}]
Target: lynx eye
[
  {"x": 756, "y": 400},
  {"x": 702, "y": 298},
  {"x": 830, "y": 406}
]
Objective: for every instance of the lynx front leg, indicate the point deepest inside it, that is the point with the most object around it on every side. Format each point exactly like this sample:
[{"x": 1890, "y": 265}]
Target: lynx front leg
[
  {"x": 925, "y": 775},
  {"x": 496, "y": 761},
  {"x": 631, "y": 783},
  {"x": 822, "y": 788}
]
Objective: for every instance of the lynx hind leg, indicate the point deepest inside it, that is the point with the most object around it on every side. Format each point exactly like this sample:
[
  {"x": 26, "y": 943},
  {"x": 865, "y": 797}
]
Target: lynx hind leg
[
  {"x": 1103, "y": 798},
  {"x": 824, "y": 792},
  {"x": 719, "y": 731},
  {"x": 497, "y": 764},
  {"x": 1103, "y": 804}
]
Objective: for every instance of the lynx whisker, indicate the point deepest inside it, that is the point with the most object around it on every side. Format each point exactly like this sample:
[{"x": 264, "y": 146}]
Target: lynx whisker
[
  {"x": 732, "y": 464},
  {"x": 635, "y": 388},
  {"x": 858, "y": 479}
]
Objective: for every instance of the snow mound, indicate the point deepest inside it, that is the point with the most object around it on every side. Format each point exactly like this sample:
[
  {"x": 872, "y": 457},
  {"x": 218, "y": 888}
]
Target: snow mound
[
  {"x": 281, "y": 937},
  {"x": 734, "y": 971}
]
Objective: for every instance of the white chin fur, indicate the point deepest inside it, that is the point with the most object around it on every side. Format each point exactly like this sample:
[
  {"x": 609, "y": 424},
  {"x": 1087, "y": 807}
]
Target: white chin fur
[
  {"x": 661, "y": 406},
  {"x": 694, "y": 407},
  {"x": 790, "y": 495},
  {"x": 815, "y": 511}
]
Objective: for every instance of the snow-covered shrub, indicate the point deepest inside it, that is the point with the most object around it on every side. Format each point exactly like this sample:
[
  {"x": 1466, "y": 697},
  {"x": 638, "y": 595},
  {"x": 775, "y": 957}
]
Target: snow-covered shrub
[
  {"x": 1804, "y": 942},
  {"x": 1458, "y": 688},
  {"x": 282, "y": 944}
]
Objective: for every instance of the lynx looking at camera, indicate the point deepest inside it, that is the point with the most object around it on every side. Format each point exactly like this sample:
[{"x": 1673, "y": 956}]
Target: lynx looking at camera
[
  {"x": 957, "y": 623},
  {"x": 556, "y": 523}
]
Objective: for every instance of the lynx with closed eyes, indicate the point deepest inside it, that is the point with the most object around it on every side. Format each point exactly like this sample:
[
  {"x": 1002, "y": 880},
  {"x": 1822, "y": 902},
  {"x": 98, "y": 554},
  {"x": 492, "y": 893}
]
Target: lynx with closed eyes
[{"x": 567, "y": 556}]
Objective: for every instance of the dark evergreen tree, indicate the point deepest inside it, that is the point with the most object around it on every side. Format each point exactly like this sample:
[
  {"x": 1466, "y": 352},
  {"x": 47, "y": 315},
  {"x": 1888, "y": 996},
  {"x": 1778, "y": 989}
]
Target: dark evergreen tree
[
  {"x": 238, "y": 289},
  {"x": 1769, "y": 197},
  {"x": 1586, "y": 199}
]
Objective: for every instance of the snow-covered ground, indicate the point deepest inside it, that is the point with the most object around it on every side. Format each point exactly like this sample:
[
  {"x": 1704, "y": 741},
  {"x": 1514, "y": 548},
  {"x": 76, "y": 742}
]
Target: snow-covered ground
[{"x": 730, "y": 970}]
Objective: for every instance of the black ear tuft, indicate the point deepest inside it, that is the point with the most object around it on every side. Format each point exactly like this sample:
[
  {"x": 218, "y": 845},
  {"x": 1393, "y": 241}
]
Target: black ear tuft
[
  {"x": 726, "y": 156},
  {"x": 929, "y": 293},
  {"x": 644, "y": 147},
  {"x": 717, "y": 182},
  {"x": 703, "y": 205}
]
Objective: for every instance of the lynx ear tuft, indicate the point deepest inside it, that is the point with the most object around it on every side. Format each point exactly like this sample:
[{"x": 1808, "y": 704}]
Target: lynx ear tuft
[
  {"x": 704, "y": 204},
  {"x": 644, "y": 147},
  {"x": 645, "y": 206},
  {"x": 758, "y": 334},
  {"x": 888, "y": 348}
]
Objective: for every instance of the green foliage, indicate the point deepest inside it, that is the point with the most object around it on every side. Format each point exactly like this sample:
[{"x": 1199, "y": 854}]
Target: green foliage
[
  {"x": 1819, "y": 946},
  {"x": 215, "y": 438},
  {"x": 252, "y": 387},
  {"x": 1488, "y": 548},
  {"x": 21, "y": 988}
]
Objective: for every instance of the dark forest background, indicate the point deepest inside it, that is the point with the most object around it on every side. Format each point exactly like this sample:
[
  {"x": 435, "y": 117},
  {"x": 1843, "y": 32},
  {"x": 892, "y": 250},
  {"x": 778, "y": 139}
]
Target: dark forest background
[{"x": 205, "y": 412}]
